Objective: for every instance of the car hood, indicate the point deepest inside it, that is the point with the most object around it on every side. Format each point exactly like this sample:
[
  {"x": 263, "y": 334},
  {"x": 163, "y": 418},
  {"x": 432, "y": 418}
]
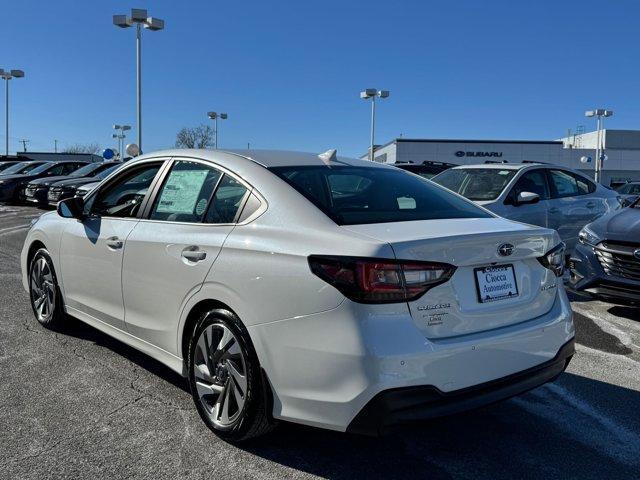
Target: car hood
[
  {"x": 48, "y": 180},
  {"x": 74, "y": 182},
  {"x": 620, "y": 225},
  {"x": 13, "y": 177}
]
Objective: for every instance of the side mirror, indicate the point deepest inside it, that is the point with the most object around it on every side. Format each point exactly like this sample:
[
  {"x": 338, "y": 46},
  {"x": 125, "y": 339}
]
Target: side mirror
[
  {"x": 527, "y": 197},
  {"x": 71, "y": 208}
]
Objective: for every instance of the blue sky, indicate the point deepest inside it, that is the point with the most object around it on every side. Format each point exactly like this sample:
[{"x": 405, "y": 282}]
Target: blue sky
[{"x": 289, "y": 73}]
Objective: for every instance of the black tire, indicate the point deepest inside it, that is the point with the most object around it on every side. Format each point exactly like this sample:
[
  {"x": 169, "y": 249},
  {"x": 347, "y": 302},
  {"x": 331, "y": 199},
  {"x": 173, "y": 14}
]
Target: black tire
[
  {"x": 54, "y": 316},
  {"x": 253, "y": 418}
]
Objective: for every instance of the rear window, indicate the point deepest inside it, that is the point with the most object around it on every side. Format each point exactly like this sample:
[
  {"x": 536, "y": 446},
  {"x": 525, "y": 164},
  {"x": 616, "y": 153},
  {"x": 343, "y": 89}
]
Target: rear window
[
  {"x": 359, "y": 195},
  {"x": 476, "y": 183}
]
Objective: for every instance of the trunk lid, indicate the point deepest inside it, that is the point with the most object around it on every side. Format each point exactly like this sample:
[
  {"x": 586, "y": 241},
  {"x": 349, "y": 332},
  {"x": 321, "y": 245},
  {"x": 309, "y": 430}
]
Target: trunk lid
[{"x": 454, "y": 308}]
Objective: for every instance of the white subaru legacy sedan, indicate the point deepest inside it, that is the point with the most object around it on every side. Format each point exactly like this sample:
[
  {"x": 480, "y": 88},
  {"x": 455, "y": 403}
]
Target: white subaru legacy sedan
[{"x": 310, "y": 288}]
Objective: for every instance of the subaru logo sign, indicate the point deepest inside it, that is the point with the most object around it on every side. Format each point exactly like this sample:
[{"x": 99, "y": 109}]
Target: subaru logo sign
[
  {"x": 459, "y": 153},
  {"x": 108, "y": 154},
  {"x": 505, "y": 249},
  {"x": 636, "y": 253}
]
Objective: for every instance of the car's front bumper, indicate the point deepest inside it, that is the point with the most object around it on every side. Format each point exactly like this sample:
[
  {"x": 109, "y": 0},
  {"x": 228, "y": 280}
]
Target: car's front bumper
[
  {"x": 36, "y": 195},
  {"x": 588, "y": 275},
  {"x": 326, "y": 369}
]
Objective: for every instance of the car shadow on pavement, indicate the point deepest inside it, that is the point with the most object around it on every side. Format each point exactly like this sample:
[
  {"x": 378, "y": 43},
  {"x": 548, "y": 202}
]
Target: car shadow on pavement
[
  {"x": 631, "y": 313},
  {"x": 77, "y": 329}
]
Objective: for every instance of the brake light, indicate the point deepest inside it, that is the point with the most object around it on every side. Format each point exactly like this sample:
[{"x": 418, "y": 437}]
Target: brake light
[
  {"x": 370, "y": 280},
  {"x": 555, "y": 259}
]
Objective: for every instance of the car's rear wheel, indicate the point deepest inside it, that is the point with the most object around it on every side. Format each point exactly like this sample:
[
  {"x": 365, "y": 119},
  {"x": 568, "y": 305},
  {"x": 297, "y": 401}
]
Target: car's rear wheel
[
  {"x": 225, "y": 378},
  {"x": 46, "y": 300}
]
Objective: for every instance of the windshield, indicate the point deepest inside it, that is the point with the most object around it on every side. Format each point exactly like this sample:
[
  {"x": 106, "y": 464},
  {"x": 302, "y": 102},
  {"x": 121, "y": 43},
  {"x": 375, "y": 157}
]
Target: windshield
[
  {"x": 86, "y": 171},
  {"x": 629, "y": 188},
  {"x": 476, "y": 183},
  {"x": 22, "y": 167},
  {"x": 359, "y": 195},
  {"x": 42, "y": 168}
]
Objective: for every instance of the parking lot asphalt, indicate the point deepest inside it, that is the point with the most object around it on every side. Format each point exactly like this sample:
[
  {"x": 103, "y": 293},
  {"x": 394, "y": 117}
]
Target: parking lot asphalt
[{"x": 76, "y": 404}]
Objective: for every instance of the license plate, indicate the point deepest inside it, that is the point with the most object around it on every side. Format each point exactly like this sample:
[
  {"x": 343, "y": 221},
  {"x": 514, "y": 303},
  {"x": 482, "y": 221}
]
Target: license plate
[{"x": 496, "y": 282}]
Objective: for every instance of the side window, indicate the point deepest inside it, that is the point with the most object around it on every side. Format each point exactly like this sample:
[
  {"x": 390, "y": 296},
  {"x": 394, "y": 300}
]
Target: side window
[
  {"x": 57, "y": 170},
  {"x": 533, "y": 181},
  {"x": 584, "y": 186},
  {"x": 226, "y": 201},
  {"x": 185, "y": 195},
  {"x": 123, "y": 197},
  {"x": 70, "y": 167},
  {"x": 563, "y": 184}
]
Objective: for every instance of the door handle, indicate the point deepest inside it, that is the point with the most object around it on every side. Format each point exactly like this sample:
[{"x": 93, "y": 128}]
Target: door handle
[
  {"x": 114, "y": 242},
  {"x": 193, "y": 254},
  {"x": 590, "y": 205}
]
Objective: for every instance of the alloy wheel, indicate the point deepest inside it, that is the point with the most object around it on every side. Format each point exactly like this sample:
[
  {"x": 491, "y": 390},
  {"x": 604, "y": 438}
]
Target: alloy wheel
[
  {"x": 43, "y": 291},
  {"x": 220, "y": 371}
]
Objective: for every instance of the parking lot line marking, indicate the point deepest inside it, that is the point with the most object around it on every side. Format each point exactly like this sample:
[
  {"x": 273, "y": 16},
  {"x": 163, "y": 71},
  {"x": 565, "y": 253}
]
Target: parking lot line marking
[{"x": 13, "y": 229}]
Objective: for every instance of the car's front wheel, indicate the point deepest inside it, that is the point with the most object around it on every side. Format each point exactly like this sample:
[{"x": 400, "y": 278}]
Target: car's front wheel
[
  {"x": 225, "y": 378},
  {"x": 46, "y": 300}
]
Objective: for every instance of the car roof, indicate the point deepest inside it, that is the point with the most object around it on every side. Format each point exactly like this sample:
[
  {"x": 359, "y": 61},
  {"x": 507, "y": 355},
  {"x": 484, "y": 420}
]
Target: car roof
[
  {"x": 266, "y": 158},
  {"x": 504, "y": 166}
]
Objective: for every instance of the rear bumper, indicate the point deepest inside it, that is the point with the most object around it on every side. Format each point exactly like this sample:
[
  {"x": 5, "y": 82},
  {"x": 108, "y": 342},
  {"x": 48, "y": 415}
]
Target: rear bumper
[
  {"x": 325, "y": 369},
  {"x": 406, "y": 405},
  {"x": 588, "y": 275}
]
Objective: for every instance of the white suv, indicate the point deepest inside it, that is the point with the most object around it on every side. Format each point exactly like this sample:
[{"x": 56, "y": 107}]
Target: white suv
[
  {"x": 538, "y": 194},
  {"x": 328, "y": 291}
]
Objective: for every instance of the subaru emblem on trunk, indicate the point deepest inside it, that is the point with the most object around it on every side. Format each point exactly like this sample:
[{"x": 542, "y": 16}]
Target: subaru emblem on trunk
[
  {"x": 505, "y": 249},
  {"x": 636, "y": 253}
]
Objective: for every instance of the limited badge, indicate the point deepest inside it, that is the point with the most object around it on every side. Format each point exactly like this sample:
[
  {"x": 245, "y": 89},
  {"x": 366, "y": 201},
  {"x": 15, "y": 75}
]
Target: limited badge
[{"x": 201, "y": 206}]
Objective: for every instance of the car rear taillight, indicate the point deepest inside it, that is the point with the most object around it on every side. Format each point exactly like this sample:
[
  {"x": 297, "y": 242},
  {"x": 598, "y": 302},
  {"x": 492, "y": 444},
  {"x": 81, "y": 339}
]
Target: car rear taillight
[
  {"x": 554, "y": 259},
  {"x": 371, "y": 280}
]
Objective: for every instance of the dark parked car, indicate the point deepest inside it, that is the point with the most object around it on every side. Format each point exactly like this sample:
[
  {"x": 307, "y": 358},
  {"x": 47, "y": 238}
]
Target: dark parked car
[
  {"x": 20, "y": 167},
  {"x": 426, "y": 169},
  {"x": 37, "y": 190},
  {"x": 68, "y": 188},
  {"x": 12, "y": 186},
  {"x": 606, "y": 261}
]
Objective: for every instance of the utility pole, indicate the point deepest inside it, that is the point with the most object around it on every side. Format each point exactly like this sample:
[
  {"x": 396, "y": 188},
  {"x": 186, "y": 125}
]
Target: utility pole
[
  {"x": 24, "y": 144},
  {"x": 55, "y": 146}
]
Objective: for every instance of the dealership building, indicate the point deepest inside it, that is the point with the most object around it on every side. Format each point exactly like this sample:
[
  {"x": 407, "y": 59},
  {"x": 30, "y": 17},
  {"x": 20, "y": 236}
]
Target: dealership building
[{"x": 622, "y": 150}]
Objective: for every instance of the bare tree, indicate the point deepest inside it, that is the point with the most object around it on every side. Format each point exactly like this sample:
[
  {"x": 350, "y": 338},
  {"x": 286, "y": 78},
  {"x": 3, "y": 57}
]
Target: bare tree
[
  {"x": 82, "y": 148},
  {"x": 197, "y": 137}
]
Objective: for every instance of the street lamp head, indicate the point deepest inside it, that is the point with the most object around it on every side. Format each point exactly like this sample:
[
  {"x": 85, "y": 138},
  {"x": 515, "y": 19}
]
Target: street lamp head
[
  {"x": 115, "y": 135},
  {"x": 116, "y": 127},
  {"x": 121, "y": 21},
  {"x": 383, "y": 93},
  {"x": 138, "y": 15},
  {"x": 608, "y": 113},
  {"x": 154, "y": 24},
  {"x": 223, "y": 116},
  {"x": 590, "y": 113},
  {"x": 368, "y": 93},
  {"x": 212, "y": 115},
  {"x": 124, "y": 128},
  {"x": 17, "y": 73}
]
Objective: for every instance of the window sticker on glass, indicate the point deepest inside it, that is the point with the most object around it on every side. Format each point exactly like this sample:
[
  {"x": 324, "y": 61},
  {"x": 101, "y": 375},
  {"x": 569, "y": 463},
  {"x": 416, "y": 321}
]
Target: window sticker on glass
[
  {"x": 503, "y": 172},
  {"x": 181, "y": 191}
]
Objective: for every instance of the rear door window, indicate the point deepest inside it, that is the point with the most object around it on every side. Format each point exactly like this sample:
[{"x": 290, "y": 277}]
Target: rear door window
[
  {"x": 186, "y": 192},
  {"x": 563, "y": 184}
]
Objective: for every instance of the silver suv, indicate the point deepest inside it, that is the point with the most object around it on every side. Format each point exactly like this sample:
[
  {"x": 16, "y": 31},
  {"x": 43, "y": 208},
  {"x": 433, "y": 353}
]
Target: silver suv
[{"x": 537, "y": 194}]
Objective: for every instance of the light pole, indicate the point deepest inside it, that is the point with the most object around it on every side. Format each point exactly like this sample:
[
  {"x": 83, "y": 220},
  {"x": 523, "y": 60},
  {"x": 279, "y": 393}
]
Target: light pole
[
  {"x": 214, "y": 116},
  {"x": 8, "y": 75},
  {"x": 121, "y": 136},
  {"x": 599, "y": 113},
  {"x": 372, "y": 93},
  {"x": 140, "y": 19}
]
